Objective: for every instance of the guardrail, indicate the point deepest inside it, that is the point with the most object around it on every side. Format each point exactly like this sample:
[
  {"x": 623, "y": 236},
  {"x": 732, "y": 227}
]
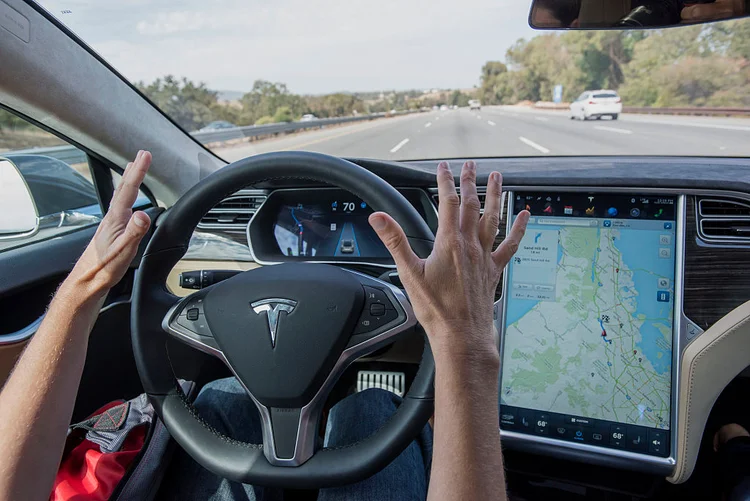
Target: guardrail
[
  {"x": 252, "y": 131},
  {"x": 72, "y": 155},
  {"x": 689, "y": 110}
]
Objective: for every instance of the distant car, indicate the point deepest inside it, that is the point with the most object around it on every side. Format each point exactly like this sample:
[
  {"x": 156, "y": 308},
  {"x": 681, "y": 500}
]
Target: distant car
[
  {"x": 347, "y": 246},
  {"x": 308, "y": 118},
  {"x": 596, "y": 104},
  {"x": 475, "y": 105},
  {"x": 218, "y": 125},
  {"x": 444, "y": 108},
  {"x": 435, "y": 108}
]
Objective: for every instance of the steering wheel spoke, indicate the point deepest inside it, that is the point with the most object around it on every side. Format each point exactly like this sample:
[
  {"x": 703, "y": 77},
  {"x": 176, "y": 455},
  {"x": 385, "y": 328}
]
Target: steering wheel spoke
[
  {"x": 186, "y": 322},
  {"x": 386, "y": 314}
]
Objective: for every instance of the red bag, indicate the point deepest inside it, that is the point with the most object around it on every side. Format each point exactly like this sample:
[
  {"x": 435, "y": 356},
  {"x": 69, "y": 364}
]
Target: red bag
[
  {"x": 119, "y": 453},
  {"x": 88, "y": 473}
]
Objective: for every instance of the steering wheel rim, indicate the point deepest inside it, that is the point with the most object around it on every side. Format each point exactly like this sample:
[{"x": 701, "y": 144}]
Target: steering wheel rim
[{"x": 156, "y": 312}]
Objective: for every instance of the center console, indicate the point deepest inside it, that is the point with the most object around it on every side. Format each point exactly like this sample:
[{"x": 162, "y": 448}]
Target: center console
[{"x": 590, "y": 327}]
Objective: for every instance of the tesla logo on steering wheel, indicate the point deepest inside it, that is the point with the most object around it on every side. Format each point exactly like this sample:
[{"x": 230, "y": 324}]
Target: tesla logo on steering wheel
[{"x": 272, "y": 307}]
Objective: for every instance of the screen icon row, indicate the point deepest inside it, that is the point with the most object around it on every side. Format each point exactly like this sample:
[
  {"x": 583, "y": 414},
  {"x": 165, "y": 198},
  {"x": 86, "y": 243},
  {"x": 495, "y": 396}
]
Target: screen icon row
[{"x": 585, "y": 430}]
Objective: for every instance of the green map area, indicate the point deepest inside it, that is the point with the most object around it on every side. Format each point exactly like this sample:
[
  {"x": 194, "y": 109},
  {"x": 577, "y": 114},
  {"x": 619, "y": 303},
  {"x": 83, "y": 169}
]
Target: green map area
[{"x": 602, "y": 347}]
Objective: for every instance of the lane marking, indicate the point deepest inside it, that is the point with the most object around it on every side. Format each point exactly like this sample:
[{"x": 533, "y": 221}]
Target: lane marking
[
  {"x": 399, "y": 145},
  {"x": 533, "y": 144},
  {"x": 542, "y": 119},
  {"x": 376, "y": 123},
  {"x": 613, "y": 129},
  {"x": 490, "y": 122},
  {"x": 427, "y": 124}
]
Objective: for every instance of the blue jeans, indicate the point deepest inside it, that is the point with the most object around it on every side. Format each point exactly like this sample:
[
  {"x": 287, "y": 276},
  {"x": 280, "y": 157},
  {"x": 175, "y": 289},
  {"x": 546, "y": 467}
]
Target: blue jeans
[{"x": 225, "y": 406}]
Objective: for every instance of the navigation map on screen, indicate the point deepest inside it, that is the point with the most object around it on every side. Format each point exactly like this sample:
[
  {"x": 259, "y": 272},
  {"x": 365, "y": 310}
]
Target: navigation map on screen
[{"x": 588, "y": 321}]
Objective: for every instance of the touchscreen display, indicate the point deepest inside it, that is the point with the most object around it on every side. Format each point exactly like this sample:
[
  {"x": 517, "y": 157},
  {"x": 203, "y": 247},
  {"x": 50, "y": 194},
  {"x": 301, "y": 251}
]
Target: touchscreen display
[
  {"x": 328, "y": 227},
  {"x": 587, "y": 345}
]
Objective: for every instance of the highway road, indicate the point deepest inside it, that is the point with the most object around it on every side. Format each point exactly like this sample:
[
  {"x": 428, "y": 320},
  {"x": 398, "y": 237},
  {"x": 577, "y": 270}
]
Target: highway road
[{"x": 515, "y": 131}]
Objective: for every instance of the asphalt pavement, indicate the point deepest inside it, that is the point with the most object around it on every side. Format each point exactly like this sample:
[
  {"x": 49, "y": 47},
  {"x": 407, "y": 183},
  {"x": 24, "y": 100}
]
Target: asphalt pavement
[{"x": 515, "y": 131}]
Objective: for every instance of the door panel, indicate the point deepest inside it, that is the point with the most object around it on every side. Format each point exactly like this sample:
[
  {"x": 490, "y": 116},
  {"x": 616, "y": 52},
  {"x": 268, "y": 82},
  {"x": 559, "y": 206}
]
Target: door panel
[{"x": 29, "y": 276}]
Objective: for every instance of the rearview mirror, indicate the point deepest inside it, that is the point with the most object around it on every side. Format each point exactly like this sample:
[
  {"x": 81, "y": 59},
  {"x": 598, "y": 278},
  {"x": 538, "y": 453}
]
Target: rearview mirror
[
  {"x": 631, "y": 14},
  {"x": 18, "y": 215}
]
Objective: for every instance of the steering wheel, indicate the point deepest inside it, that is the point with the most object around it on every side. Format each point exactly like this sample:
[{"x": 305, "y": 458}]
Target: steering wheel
[{"x": 287, "y": 332}]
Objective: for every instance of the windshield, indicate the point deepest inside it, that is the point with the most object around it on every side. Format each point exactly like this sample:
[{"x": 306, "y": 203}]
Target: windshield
[{"x": 407, "y": 80}]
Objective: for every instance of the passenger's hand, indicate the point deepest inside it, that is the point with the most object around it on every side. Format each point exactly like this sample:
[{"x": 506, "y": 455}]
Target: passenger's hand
[
  {"x": 115, "y": 243},
  {"x": 720, "y": 9},
  {"x": 452, "y": 291}
]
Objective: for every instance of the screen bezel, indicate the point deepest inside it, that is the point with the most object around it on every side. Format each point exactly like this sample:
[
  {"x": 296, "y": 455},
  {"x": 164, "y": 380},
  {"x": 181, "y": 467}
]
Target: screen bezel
[{"x": 614, "y": 457}]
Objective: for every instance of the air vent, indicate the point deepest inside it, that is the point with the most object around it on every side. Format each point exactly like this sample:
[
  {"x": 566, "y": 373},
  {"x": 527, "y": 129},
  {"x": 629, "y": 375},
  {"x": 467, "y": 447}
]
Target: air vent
[
  {"x": 725, "y": 228},
  {"x": 234, "y": 212},
  {"x": 724, "y": 220},
  {"x": 709, "y": 207}
]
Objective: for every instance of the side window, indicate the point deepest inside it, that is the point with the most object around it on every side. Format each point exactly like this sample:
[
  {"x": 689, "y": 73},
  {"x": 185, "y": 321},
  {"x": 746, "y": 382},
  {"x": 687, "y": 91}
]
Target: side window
[
  {"x": 582, "y": 97},
  {"x": 46, "y": 186}
]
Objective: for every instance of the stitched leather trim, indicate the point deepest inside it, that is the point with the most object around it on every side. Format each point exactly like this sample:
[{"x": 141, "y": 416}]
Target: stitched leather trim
[{"x": 694, "y": 426}]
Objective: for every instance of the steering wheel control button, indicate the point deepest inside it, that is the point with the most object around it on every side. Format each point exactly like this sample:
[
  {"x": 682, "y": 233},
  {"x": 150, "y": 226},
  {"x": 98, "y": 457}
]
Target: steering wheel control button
[
  {"x": 198, "y": 326},
  {"x": 618, "y": 436},
  {"x": 375, "y": 295},
  {"x": 377, "y": 310},
  {"x": 192, "y": 314},
  {"x": 657, "y": 442}
]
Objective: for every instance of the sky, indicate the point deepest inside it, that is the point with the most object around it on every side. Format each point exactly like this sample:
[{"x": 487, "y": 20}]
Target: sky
[{"x": 314, "y": 46}]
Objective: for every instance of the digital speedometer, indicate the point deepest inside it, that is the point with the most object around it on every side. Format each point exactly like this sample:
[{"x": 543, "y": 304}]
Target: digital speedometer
[{"x": 324, "y": 225}]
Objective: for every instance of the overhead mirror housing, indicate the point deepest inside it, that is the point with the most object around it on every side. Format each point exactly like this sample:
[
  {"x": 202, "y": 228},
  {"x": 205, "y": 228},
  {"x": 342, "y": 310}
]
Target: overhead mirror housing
[{"x": 631, "y": 14}]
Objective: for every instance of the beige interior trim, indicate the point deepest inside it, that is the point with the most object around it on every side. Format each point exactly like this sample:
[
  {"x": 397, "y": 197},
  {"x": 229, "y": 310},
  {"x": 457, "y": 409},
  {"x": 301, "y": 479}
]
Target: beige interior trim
[
  {"x": 709, "y": 363},
  {"x": 173, "y": 280}
]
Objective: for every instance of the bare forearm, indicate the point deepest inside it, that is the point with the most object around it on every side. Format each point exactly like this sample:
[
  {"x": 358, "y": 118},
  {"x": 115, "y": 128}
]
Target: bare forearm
[
  {"x": 467, "y": 459},
  {"x": 37, "y": 401}
]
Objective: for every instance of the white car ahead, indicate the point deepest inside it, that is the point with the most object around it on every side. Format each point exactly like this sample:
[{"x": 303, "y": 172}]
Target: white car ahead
[{"x": 596, "y": 104}]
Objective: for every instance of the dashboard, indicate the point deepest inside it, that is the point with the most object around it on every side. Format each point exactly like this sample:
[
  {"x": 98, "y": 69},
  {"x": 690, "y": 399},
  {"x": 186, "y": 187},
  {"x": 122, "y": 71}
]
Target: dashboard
[{"x": 611, "y": 285}]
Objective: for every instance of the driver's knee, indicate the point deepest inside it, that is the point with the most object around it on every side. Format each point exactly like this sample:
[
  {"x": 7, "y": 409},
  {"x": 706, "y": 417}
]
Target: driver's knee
[
  {"x": 225, "y": 406},
  {"x": 359, "y": 415}
]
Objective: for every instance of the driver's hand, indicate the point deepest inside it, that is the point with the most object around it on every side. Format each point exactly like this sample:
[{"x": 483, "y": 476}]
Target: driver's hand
[
  {"x": 115, "y": 243},
  {"x": 452, "y": 291},
  {"x": 720, "y": 9}
]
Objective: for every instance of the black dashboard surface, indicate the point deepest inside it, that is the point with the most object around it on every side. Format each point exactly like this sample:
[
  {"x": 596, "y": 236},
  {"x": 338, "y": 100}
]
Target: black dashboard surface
[{"x": 689, "y": 173}]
